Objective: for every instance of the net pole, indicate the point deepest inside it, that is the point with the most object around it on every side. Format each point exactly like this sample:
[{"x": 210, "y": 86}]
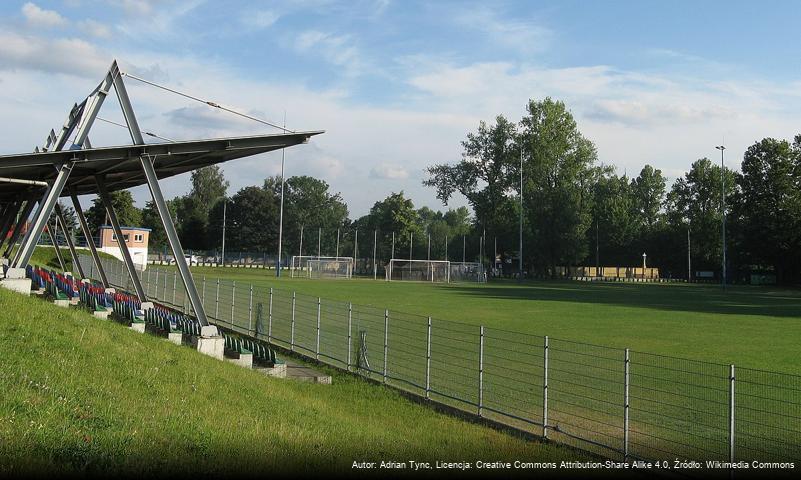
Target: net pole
[
  {"x": 355, "y": 248},
  {"x": 392, "y": 255},
  {"x": 375, "y": 244},
  {"x": 319, "y": 243},
  {"x": 446, "y": 248},
  {"x": 464, "y": 247},
  {"x": 337, "y": 255},
  {"x": 411, "y": 243}
]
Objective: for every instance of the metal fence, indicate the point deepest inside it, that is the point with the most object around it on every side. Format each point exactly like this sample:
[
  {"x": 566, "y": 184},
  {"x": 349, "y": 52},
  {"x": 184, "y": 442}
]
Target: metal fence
[{"x": 621, "y": 404}]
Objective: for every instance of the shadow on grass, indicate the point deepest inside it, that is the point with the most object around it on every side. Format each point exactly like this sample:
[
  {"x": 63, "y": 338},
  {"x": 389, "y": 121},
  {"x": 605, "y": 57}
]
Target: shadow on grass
[{"x": 735, "y": 300}]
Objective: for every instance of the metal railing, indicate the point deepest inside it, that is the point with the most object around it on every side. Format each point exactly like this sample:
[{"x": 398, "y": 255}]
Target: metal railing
[{"x": 621, "y": 404}]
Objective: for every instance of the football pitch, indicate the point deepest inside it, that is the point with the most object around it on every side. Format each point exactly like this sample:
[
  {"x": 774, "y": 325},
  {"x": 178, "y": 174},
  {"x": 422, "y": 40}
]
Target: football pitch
[{"x": 754, "y": 327}]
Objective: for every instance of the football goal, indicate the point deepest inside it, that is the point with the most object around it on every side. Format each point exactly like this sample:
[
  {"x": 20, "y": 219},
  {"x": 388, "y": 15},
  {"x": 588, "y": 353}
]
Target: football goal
[
  {"x": 321, "y": 267},
  {"x": 467, "y": 272},
  {"x": 418, "y": 270}
]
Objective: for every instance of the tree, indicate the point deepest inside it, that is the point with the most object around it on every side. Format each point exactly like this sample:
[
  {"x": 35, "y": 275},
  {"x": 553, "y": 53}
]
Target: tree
[
  {"x": 123, "y": 204},
  {"x": 648, "y": 191},
  {"x": 768, "y": 206},
  {"x": 252, "y": 220},
  {"x": 694, "y": 202},
  {"x": 309, "y": 203},
  {"x": 487, "y": 171},
  {"x": 192, "y": 210},
  {"x": 208, "y": 185},
  {"x": 151, "y": 220},
  {"x": 614, "y": 213},
  {"x": 559, "y": 172},
  {"x": 396, "y": 214}
]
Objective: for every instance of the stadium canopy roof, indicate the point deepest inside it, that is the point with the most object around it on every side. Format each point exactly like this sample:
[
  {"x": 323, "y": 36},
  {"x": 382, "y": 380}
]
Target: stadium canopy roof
[{"x": 122, "y": 167}]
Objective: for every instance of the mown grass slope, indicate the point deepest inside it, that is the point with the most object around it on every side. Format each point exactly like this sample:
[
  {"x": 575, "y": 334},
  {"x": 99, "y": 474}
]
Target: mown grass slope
[{"x": 80, "y": 394}]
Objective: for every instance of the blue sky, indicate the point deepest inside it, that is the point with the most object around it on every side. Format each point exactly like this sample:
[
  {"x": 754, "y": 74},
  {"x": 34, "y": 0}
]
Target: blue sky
[{"x": 398, "y": 84}]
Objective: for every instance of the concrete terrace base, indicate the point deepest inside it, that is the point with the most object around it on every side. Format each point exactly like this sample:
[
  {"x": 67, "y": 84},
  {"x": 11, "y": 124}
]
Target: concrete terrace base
[
  {"x": 61, "y": 303},
  {"x": 138, "y": 327},
  {"x": 278, "y": 370},
  {"x": 102, "y": 314},
  {"x": 242, "y": 359},
  {"x": 175, "y": 337},
  {"x": 302, "y": 373},
  {"x": 19, "y": 285},
  {"x": 211, "y": 346}
]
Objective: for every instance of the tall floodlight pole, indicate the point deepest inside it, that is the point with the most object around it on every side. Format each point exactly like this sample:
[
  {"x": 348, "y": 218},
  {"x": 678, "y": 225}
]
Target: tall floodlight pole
[
  {"x": 375, "y": 247},
  {"x": 300, "y": 248},
  {"x": 355, "y": 247},
  {"x": 689, "y": 258},
  {"x": 337, "y": 254},
  {"x": 225, "y": 207},
  {"x": 429, "y": 247},
  {"x": 723, "y": 209},
  {"x": 597, "y": 254},
  {"x": 446, "y": 248},
  {"x": 319, "y": 242},
  {"x": 392, "y": 255},
  {"x": 281, "y": 212},
  {"x": 464, "y": 248},
  {"x": 520, "y": 228}
]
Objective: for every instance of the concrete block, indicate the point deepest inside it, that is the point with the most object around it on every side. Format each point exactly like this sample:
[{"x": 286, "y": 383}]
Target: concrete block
[
  {"x": 242, "y": 359},
  {"x": 147, "y": 306},
  {"x": 138, "y": 327},
  {"x": 14, "y": 273},
  {"x": 111, "y": 290},
  {"x": 75, "y": 300},
  {"x": 211, "y": 346},
  {"x": 175, "y": 337},
  {"x": 102, "y": 314},
  {"x": 209, "y": 331},
  {"x": 278, "y": 370},
  {"x": 19, "y": 285},
  {"x": 61, "y": 303}
]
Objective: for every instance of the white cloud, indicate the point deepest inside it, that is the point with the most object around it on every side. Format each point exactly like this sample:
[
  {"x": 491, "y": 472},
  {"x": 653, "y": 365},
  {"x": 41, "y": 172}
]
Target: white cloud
[
  {"x": 521, "y": 36},
  {"x": 261, "y": 18},
  {"x": 389, "y": 172},
  {"x": 39, "y": 17},
  {"x": 94, "y": 28},
  {"x": 339, "y": 50},
  {"x": 60, "y": 55}
]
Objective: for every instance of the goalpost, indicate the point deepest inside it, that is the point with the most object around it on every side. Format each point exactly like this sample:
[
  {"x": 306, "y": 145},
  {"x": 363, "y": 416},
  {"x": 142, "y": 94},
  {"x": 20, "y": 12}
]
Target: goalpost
[
  {"x": 418, "y": 270},
  {"x": 467, "y": 272},
  {"x": 321, "y": 267}
]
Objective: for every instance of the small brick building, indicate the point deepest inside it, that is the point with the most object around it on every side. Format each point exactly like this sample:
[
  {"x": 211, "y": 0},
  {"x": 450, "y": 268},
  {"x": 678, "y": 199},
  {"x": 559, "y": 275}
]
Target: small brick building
[{"x": 136, "y": 239}]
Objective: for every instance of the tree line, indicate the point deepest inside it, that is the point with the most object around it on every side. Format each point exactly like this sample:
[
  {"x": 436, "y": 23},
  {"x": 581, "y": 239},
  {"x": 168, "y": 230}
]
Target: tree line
[{"x": 576, "y": 210}]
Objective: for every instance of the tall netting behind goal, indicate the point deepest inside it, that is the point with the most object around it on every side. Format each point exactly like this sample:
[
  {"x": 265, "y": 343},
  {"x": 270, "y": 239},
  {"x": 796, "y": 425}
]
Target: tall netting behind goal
[
  {"x": 321, "y": 267},
  {"x": 418, "y": 270},
  {"x": 467, "y": 272}
]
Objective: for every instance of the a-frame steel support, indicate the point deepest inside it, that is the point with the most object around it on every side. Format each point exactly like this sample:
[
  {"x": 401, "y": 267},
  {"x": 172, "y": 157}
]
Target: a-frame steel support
[
  {"x": 76, "y": 264},
  {"x": 115, "y": 224},
  {"x": 87, "y": 234},
  {"x": 8, "y": 220},
  {"x": 161, "y": 206}
]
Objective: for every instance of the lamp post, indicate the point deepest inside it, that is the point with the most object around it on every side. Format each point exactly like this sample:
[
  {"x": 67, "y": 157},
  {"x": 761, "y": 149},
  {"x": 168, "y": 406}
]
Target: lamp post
[
  {"x": 520, "y": 228},
  {"x": 225, "y": 207},
  {"x": 723, "y": 210},
  {"x": 281, "y": 215}
]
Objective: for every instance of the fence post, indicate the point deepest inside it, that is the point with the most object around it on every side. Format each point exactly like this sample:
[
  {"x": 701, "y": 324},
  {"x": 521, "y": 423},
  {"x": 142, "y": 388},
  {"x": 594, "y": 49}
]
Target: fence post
[
  {"x": 174, "y": 286},
  {"x": 626, "y": 369},
  {"x": 386, "y": 337},
  {"x": 233, "y": 296},
  {"x": 317, "y": 348},
  {"x": 428, "y": 361},
  {"x": 292, "y": 328},
  {"x": 270, "y": 318},
  {"x": 203, "y": 297},
  {"x": 350, "y": 331},
  {"x": 250, "y": 310},
  {"x": 481, "y": 372},
  {"x": 156, "y": 290},
  {"x": 164, "y": 298},
  {"x": 545, "y": 389},
  {"x": 217, "y": 302},
  {"x": 731, "y": 414}
]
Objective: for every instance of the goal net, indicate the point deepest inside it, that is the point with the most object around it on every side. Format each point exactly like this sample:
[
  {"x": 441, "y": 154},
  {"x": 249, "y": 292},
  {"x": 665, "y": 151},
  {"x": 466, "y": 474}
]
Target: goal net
[
  {"x": 467, "y": 272},
  {"x": 321, "y": 267},
  {"x": 418, "y": 270}
]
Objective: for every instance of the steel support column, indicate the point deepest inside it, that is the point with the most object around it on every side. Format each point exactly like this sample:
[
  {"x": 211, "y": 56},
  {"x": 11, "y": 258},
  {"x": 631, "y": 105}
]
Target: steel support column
[
  {"x": 70, "y": 244},
  {"x": 59, "y": 257},
  {"x": 115, "y": 224},
  {"x": 26, "y": 212},
  {"x": 89, "y": 240},
  {"x": 11, "y": 213}
]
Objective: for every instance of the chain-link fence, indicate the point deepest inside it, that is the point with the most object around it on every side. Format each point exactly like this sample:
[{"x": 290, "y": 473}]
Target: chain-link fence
[{"x": 617, "y": 403}]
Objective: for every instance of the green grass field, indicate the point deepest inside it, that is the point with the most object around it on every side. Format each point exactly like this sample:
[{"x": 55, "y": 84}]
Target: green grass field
[
  {"x": 80, "y": 394},
  {"x": 755, "y": 327}
]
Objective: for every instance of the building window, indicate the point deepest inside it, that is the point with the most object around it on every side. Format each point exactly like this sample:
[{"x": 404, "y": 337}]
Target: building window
[
  {"x": 139, "y": 238},
  {"x": 124, "y": 235}
]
